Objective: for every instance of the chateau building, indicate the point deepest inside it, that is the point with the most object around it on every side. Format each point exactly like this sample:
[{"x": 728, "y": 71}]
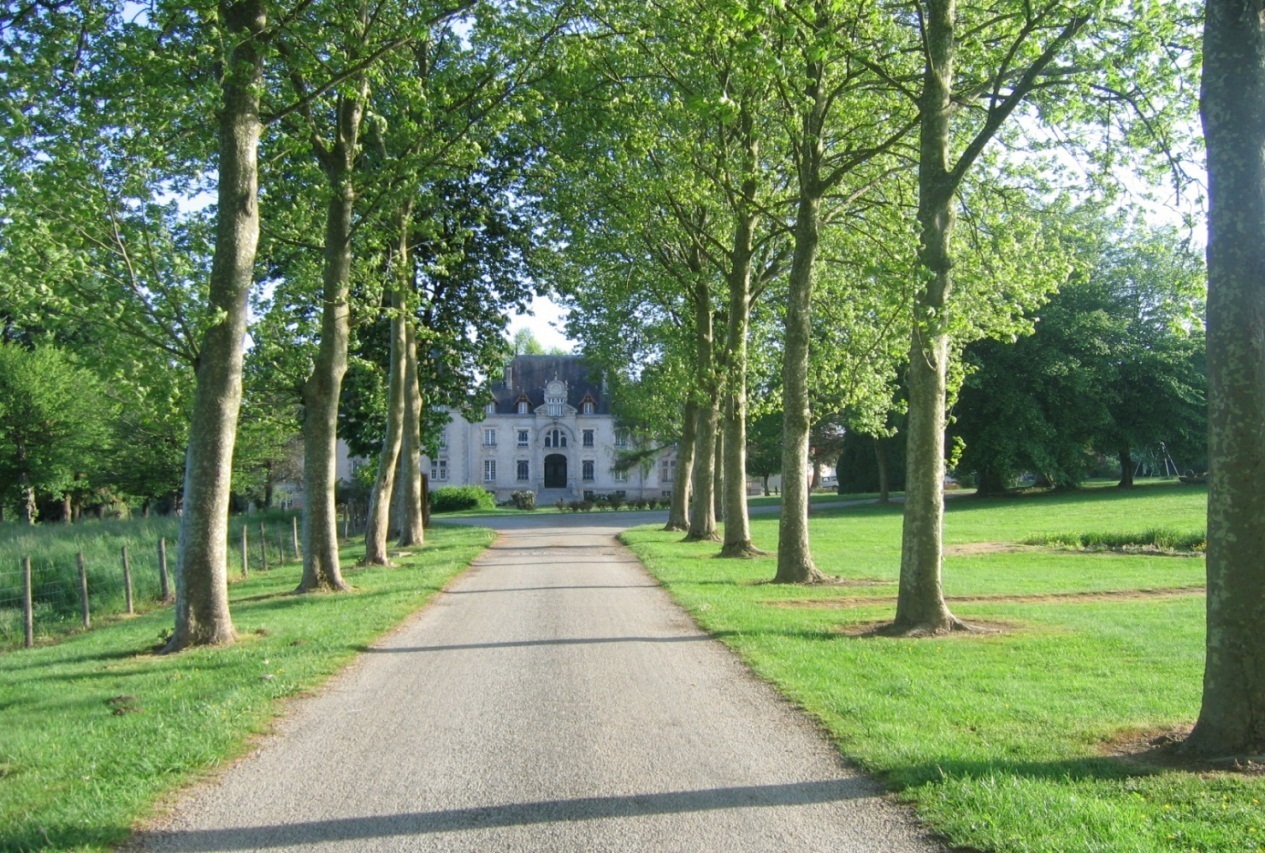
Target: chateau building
[{"x": 548, "y": 429}]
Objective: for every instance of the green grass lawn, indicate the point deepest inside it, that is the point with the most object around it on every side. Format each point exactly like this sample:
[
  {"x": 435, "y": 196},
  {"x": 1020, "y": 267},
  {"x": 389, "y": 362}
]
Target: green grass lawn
[
  {"x": 1002, "y": 740},
  {"x": 96, "y": 729}
]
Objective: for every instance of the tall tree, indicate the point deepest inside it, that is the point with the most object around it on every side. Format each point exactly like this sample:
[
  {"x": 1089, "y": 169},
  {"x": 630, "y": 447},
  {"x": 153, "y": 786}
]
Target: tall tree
[
  {"x": 1001, "y": 59},
  {"x": 1232, "y": 716},
  {"x": 202, "y": 614},
  {"x": 840, "y": 122}
]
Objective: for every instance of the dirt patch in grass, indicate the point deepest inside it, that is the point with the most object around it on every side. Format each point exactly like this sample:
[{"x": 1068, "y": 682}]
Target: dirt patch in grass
[
  {"x": 984, "y": 549},
  {"x": 973, "y": 628},
  {"x": 979, "y": 549},
  {"x": 1161, "y": 749},
  {"x": 1046, "y": 598},
  {"x": 825, "y": 581}
]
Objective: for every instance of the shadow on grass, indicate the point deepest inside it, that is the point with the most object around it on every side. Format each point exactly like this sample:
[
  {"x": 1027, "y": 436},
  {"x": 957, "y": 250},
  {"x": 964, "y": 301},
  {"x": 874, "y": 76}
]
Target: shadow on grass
[{"x": 1092, "y": 769}]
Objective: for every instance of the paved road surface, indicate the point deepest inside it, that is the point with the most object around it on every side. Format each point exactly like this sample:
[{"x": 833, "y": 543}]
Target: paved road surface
[{"x": 554, "y": 698}]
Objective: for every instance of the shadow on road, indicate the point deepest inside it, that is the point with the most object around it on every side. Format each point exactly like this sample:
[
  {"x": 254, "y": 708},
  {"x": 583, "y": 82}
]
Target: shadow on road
[{"x": 515, "y": 814}]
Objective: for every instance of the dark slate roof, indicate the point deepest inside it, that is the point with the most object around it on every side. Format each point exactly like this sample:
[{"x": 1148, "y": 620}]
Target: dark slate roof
[{"x": 527, "y": 376}]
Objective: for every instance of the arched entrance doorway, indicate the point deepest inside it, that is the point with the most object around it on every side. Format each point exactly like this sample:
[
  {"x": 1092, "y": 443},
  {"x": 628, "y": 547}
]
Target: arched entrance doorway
[{"x": 555, "y": 471}]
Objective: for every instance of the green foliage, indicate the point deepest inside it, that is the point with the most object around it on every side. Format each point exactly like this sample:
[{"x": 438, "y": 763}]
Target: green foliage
[
  {"x": 54, "y": 420},
  {"x": 185, "y": 714},
  {"x": 1115, "y": 365},
  {"x": 457, "y": 498},
  {"x": 525, "y": 500},
  {"x": 1000, "y": 740}
]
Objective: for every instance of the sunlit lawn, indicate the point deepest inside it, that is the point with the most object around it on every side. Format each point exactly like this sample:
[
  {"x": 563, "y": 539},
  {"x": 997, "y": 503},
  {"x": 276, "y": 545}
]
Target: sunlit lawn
[
  {"x": 1000, "y": 739},
  {"x": 94, "y": 729}
]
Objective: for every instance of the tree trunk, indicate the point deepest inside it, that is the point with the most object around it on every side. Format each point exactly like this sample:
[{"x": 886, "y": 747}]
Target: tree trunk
[
  {"x": 718, "y": 470},
  {"x": 30, "y": 508},
  {"x": 737, "y": 540},
  {"x": 884, "y": 478},
  {"x": 794, "y": 556},
  {"x": 378, "y": 522},
  {"x": 1232, "y": 716},
  {"x": 703, "y": 475},
  {"x": 1126, "y": 467},
  {"x": 412, "y": 523},
  {"x": 678, "y": 510},
  {"x": 992, "y": 482},
  {"x": 321, "y": 392},
  {"x": 202, "y": 613},
  {"x": 920, "y": 606}
]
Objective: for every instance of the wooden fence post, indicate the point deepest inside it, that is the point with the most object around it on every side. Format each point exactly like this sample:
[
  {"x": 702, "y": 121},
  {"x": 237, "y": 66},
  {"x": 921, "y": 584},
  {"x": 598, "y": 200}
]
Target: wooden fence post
[
  {"x": 164, "y": 580},
  {"x": 83, "y": 591},
  {"x": 294, "y": 535},
  {"x": 28, "y": 607},
  {"x": 263, "y": 549},
  {"x": 245, "y": 552},
  {"x": 127, "y": 581}
]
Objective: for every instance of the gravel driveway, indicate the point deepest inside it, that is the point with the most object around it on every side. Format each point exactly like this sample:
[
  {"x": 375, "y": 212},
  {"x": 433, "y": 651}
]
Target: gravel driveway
[{"x": 554, "y": 698}]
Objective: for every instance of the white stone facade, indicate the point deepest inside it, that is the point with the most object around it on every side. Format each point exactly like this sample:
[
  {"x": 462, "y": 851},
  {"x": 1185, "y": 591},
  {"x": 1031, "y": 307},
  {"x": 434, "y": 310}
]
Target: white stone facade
[{"x": 548, "y": 430}]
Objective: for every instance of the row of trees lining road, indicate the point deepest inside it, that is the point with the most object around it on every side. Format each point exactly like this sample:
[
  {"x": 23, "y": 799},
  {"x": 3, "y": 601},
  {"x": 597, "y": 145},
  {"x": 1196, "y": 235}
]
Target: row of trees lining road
[
  {"x": 974, "y": 77},
  {"x": 762, "y": 160},
  {"x": 835, "y": 180},
  {"x": 367, "y": 113}
]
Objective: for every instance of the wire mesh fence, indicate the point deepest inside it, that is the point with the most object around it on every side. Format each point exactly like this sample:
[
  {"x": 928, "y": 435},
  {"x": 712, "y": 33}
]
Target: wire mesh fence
[{"x": 125, "y": 566}]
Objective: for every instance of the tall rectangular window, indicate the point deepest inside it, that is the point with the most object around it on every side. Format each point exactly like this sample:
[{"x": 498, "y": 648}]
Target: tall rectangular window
[
  {"x": 489, "y": 470},
  {"x": 667, "y": 471},
  {"x": 523, "y": 438},
  {"x": 439, "y": 469},
  {"x": 489, "y": 438},
  {"x": 587, "y": 469},
  {"x": 621, "y": 476},
  {"x": 524, "y": 470},
  {"x": 621, "y": 438},
  {"x": 588, "y": 438}
]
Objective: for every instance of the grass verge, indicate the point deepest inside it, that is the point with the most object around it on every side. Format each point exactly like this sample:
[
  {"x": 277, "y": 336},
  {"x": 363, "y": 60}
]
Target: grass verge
[
  {"x": 97, "y": 729},
  {"x": 1003, "y": 740}
]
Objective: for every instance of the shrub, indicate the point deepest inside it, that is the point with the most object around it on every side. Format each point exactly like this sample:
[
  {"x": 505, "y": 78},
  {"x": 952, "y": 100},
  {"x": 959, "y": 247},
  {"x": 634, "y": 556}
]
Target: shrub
[
  {"x": 525, "y": 499},
  {"x": 574, "y": 506},
  {"x": 616, "y": 501},
  {"x": 456, "y": 498}
]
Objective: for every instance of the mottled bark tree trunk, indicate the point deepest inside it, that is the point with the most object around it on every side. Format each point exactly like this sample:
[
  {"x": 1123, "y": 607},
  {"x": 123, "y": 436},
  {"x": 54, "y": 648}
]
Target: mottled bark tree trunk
[
  {"x": 920, "y": 606},
  {"x": 321, "y": 392},
  {"x": 678, "y": 510},
  {"x": 718, "y": 469},
  {"x": 412, "y": 522},
  {"x": 1232, "y": 716},
  {"x": 737, "y": 539},
  {"x": 202, "y": 613},
  {"x": 794, "y": 556},
  {"x": 378, "y": 522},
  {"x": 703, "y": 474}
]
